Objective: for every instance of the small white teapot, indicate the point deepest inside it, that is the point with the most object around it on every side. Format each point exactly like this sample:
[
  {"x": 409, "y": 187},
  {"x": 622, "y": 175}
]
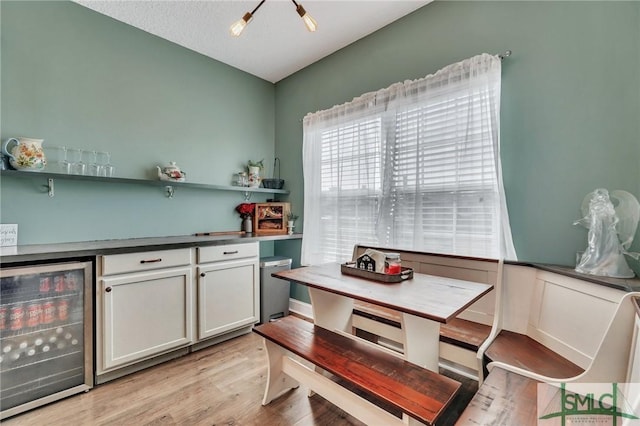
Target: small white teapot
[{"x": 171, "y": 173}]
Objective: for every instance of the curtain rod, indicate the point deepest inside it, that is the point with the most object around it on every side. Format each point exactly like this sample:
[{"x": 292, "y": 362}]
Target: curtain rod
[{"x": 502, "y": 56}]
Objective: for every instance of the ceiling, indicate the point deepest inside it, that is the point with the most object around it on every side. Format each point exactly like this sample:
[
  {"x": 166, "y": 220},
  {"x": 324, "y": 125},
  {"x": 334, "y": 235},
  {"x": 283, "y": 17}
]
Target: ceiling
[{"x": 275, "y": 44}]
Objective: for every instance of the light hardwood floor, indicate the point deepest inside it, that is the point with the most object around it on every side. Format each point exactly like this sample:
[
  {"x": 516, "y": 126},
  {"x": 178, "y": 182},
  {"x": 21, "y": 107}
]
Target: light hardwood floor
[{"x": 219, "y": 385}]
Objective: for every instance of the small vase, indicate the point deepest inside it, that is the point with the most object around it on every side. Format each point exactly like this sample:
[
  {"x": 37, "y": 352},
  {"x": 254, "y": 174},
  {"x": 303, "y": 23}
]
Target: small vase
[
  {"x": 254, "y": 177},
  {"x": 290, "y": 225},
  {"x": 247, "y": 225}
]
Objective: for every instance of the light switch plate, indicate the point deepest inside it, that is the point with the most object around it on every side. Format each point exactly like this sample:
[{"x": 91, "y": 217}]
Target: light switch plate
[{"x": 8, "y": 234}]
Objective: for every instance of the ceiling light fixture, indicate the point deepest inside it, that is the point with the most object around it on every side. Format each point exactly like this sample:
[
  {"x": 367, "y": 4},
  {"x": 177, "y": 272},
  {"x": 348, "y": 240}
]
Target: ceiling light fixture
[
  {"x": 239, "y": 26},
  {"x": 311, "y": 23}
]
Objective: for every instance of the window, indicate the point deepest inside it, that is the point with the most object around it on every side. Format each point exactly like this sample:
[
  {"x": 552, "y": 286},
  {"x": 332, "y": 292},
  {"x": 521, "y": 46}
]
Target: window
[{"x": 414, "y": 166}]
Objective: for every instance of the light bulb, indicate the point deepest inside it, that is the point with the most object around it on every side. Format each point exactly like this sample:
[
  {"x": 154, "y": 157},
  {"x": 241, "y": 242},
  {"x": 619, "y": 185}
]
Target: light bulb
[
  {"x": 311, "y": 23},
  {"x": 239, "y": 26}
]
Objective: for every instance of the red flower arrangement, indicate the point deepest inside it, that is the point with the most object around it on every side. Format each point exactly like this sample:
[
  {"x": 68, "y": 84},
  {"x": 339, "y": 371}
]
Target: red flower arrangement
[{"x": 245, "y": 209}]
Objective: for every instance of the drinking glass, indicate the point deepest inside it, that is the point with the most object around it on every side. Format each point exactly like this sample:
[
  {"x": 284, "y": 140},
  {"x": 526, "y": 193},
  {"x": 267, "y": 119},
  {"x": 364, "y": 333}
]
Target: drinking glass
[
  {"x": 63, "y": 163},
  {"x": 77, "y": 165},
  {"x": 107, "y": 168},
  {"x": 95, "y": 169}
]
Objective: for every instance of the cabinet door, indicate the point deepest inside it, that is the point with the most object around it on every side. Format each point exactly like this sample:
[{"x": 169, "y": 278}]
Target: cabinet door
[
  {"x": 145, "y": 314},
  {"x": 228, "y": 296}
]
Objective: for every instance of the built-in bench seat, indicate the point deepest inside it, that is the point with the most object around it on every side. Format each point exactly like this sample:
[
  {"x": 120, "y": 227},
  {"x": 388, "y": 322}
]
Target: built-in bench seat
[
  {"x": 466, "y": 334},
  {"x": 523, "y": 352},
  {"x": 509, "y": 393},
  {"x": 419, "y": 393}
]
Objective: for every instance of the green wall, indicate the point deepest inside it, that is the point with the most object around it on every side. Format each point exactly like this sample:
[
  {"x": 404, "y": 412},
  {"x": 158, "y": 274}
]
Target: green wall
[
  {"x": 570, "y": 102},
  {"x": 74, "y": 77}
]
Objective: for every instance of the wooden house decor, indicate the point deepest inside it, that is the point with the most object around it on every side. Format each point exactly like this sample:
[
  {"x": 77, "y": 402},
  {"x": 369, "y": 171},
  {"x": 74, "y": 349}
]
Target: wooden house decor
[
  {"x": 371, "y": 260},
  {"x": 366, "y": 262},
  {"x": 270, "y": 218}
]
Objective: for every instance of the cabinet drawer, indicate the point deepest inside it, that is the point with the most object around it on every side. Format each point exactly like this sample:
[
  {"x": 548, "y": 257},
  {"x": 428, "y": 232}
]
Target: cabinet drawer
[
  {"x": 144, "y": 261},
  {"x": 227, "y": 252}
]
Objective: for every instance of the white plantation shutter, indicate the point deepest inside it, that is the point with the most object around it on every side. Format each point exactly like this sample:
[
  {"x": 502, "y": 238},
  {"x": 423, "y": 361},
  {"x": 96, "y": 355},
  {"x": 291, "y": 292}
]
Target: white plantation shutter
[{"x": 414, "y": 166}]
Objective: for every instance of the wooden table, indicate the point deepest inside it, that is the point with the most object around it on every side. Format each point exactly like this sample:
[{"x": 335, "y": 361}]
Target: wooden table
[{"x": 424, "y": 302}]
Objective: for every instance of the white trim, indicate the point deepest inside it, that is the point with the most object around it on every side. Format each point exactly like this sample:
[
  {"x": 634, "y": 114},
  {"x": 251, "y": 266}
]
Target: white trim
[{"x": 301, "y": 308}]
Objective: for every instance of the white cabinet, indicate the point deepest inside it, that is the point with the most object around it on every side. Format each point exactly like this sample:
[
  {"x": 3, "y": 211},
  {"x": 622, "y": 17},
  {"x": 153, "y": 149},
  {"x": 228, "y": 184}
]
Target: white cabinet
[
  {"x": 228, "y": 288},
  {"x": 153, "y": 306},
  {"x": 144, "y": 306}
]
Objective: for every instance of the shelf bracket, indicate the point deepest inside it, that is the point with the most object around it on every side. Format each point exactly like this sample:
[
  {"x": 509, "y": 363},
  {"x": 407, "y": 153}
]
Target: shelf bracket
[
  {"x": 169, "y": 191},
  {"x": 50, "y": 187},
  {"x": 247, "y": 196}
]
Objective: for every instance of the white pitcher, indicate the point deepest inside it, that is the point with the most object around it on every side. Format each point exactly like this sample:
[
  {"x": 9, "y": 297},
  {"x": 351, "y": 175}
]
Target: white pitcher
[{"x": 26, "y": 155}]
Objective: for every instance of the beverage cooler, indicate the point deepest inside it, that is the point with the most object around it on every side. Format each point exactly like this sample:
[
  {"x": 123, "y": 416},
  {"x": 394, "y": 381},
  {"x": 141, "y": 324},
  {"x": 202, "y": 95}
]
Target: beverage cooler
[{"x": 46, "y": 343}]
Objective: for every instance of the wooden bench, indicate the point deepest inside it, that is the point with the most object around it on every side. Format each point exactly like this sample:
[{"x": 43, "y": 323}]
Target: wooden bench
[
  {"x": 522, "y": 351},
  {"x": 373, "y": 371}
]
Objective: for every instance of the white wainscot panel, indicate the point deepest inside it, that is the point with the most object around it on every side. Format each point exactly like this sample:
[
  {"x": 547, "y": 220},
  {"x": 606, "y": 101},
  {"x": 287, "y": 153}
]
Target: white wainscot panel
[{"x": 573, "y": 316}]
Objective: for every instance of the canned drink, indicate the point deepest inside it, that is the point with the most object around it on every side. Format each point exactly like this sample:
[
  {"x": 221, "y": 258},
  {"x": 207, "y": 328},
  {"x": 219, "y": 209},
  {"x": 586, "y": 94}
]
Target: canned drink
[
  {"x": 72, "y": 282},
  {"x": 34, "y": 314},
  {"x": 3, "y": 318},
  {"x": 48, "y": 312},
  {"x": 63, "y": 309},
  {"x": 45, "y": 285},
  {"x": 59, "y": 284},
  {"x": 16, "y": 317}
]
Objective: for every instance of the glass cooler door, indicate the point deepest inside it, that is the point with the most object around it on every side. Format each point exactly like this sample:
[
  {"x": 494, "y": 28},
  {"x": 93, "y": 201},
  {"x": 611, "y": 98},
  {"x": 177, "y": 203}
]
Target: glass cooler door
[{"x": 45, "y": 334}]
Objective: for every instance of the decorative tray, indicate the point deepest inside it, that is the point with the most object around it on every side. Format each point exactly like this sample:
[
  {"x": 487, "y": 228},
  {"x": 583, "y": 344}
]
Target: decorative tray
[{"x": 349, "y": 268}]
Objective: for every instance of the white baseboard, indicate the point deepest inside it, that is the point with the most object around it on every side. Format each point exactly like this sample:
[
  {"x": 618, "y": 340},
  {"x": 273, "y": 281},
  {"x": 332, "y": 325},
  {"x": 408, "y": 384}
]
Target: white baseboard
[{"x": 301, "y": 308}]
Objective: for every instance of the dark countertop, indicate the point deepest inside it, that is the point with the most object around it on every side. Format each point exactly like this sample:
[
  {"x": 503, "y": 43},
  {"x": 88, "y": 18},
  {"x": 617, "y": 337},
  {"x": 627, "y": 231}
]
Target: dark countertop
[
  {"x": 37, "y": 252},
  {"x": 626, "y": 284}
]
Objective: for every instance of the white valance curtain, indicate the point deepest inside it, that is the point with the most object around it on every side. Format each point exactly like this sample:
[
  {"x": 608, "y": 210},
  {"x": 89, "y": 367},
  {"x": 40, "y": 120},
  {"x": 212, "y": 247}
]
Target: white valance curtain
[{"x": 415, "y": 166}]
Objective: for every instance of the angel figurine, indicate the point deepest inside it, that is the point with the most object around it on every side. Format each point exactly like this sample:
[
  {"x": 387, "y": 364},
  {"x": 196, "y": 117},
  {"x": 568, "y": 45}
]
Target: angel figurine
[{"x": 611, "y": 232}]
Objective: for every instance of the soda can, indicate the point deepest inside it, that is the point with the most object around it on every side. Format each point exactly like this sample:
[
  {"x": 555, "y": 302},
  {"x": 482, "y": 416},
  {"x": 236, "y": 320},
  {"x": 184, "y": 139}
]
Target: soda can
[
  {"x": 3, "y": 317},
  {"x": 63, "y": 309},
  {"x": 45, "y": 285},
  {"x": 48, "y": 312},
  {"x": 16, "y": 317},
  {"x": 34, "y": 315},
  {"x": 59, "y": 284},
  {"x": 72, "y": 281}
]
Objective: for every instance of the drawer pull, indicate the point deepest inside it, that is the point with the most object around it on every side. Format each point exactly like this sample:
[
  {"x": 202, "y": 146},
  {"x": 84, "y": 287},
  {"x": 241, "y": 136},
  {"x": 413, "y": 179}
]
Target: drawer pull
[
  {"x": 151, "y": 260},
  {"x": 231, "y": 252},
  {"x": 108, "y": 289}
]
